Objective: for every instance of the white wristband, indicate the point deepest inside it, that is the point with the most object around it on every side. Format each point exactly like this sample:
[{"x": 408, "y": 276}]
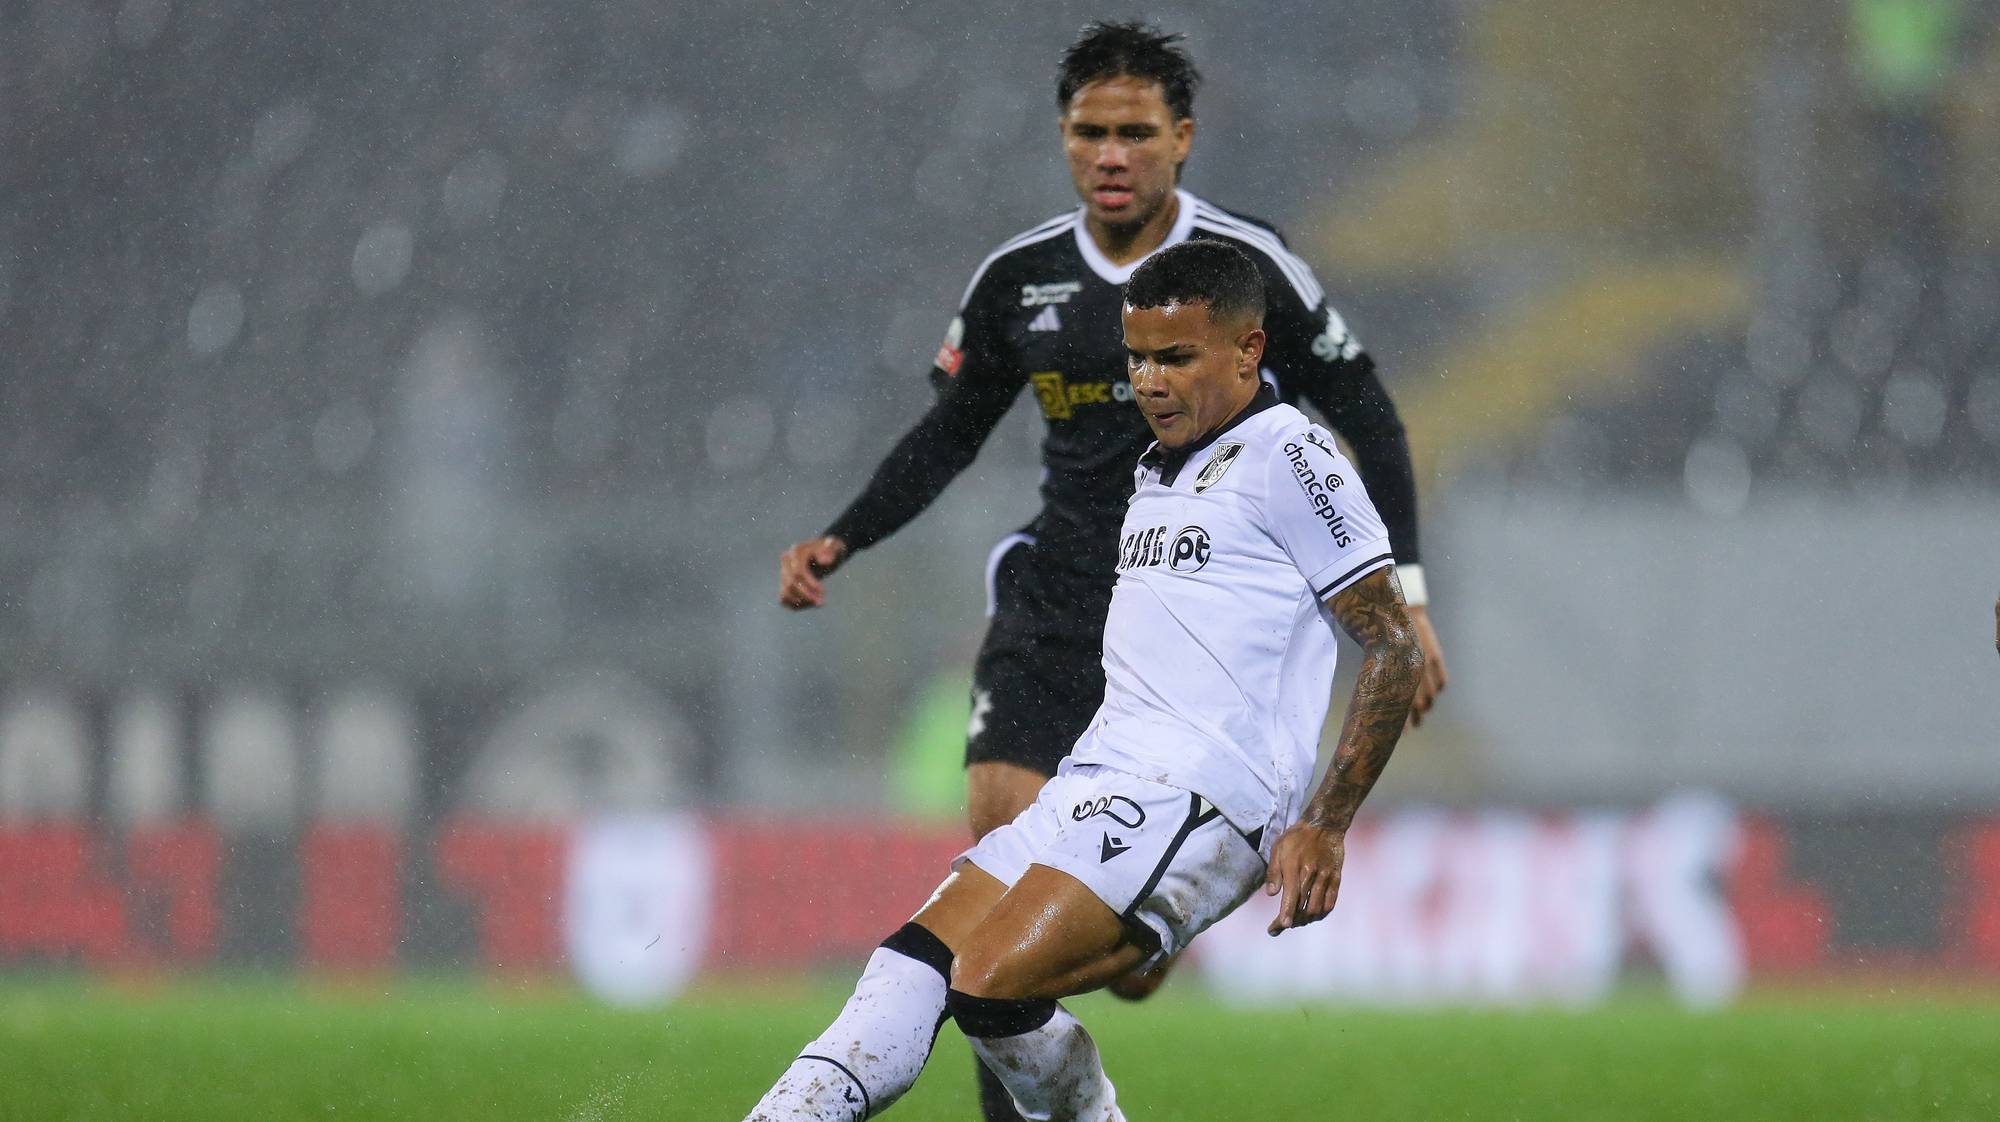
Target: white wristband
[{"x": 1412, "y": 579}]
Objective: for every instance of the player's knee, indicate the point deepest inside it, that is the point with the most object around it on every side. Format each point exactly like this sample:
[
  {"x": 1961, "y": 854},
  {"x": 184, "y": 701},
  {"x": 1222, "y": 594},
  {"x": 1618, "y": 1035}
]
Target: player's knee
[
  {"x": 914, "y": 941},
  {"x": 985, "y": 975},
  {"x": 985, "y": 1016}
]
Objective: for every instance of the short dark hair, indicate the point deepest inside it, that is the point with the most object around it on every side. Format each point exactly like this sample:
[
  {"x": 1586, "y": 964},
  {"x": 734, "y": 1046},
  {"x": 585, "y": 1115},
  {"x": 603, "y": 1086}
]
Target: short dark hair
[
  {"x": 1130, "y": 50},
  {"x": 1199, "y": 271}
]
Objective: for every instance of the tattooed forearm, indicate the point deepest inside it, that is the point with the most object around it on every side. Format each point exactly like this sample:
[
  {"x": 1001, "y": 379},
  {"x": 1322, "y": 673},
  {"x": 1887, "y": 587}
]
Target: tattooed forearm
[{"x": 1371, "y": 611}]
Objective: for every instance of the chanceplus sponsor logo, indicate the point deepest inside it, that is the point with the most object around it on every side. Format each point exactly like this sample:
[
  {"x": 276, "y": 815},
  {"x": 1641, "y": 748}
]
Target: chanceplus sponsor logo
[
  {"x": 1185, "y": 552},
  {"x": 1318, "y": 492},
  {"x": 1035, "y": 295},
  {"x": 1059, "y": 397}
]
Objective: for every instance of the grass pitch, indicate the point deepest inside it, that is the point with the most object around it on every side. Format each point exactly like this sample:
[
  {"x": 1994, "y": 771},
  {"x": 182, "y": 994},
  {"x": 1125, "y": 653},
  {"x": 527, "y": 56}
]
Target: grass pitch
[{"x": 217, "y": 1052}]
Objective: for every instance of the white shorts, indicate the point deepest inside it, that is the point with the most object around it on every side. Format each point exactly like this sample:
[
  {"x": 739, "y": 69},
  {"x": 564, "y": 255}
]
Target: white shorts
[{"x": 1161, "y": 857}]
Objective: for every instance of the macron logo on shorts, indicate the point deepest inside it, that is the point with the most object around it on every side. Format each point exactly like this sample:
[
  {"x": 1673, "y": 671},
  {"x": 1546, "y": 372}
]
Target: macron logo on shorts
[{"x": 1112, "y": 848}]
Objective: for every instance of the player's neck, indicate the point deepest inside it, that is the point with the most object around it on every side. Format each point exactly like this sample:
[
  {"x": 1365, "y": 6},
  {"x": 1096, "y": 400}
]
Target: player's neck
[{"x": 1122, "y": 245}]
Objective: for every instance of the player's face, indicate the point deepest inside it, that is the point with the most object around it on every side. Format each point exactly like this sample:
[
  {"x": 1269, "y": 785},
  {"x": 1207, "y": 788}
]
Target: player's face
[
  {"x": 1190, "y": 373},
  {"x": 1123, "y": 146}
]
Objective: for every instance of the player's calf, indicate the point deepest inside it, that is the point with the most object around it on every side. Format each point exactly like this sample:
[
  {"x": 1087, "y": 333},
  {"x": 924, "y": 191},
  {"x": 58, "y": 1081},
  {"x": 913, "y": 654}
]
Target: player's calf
[
  {"x": 1042, "y": 1054},
  {"x": 1141, "y": 984},
  {"x": 874, "y": 1050}
]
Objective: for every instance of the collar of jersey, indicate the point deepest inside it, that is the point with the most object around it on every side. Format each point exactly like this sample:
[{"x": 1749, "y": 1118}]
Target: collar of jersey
[
  {"x": 1119, "y": 274},
  {"x": 1170, "y": 461}
]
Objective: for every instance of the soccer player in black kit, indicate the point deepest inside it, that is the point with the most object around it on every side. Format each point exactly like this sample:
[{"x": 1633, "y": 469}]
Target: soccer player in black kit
[{"x": 1042, "y": 311}]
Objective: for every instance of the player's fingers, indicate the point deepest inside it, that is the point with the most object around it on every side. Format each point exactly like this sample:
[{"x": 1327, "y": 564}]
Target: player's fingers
[
  {"x": 790, "y": 565},
  {"x": 790, "y": 595},
  {"x": 1329, "y": 891},
  {"x": 802, "y": 591},
  {"x": 1421, "y": 703},
  {"x": 1298, "y": 897},
  {"x": 1309, "y": 892},
  {"x": 1274, "y": 873},
  {"x": 1434, "y": 671},
  {"x": 1322, "y": 898},
  {"x": 1288, "y": 904}
]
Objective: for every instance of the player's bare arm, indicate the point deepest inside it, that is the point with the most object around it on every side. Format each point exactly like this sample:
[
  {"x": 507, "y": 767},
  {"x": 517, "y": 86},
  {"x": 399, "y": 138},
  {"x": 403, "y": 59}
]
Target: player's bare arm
[
  {"x": 1305, "y": 863},
  {"x": 928, "y": 457}
]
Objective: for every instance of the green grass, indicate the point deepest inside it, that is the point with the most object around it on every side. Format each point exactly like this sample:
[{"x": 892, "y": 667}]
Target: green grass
[{"x": 218, "y": 1051}]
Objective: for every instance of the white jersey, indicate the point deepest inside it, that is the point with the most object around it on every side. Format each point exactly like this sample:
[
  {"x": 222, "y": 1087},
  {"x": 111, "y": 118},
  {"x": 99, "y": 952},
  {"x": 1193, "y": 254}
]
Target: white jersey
[{"x": 1218, "y": 650}]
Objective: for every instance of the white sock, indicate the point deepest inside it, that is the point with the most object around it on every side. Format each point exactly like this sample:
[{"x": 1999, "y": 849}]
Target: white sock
[
  {"x": 1043, "y": 1055},
  {"x": 871, "y": 1054}
]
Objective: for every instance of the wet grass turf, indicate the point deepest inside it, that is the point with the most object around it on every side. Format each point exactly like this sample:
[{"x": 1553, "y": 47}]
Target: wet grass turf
[{"x": 234, "y": 1050}]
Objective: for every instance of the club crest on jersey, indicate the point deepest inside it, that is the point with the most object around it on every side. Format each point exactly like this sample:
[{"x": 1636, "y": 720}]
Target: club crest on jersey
[
  {"x": 1035, "y": 295},
  {"x": 1225, "y": 454}
]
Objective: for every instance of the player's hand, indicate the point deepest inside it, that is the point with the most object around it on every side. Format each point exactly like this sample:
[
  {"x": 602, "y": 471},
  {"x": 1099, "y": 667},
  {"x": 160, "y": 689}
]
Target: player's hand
[
  {"x": 801, "y": 567},
  {"x": 1434, "y": 677},
  {"x": 1305, "y": 866}
]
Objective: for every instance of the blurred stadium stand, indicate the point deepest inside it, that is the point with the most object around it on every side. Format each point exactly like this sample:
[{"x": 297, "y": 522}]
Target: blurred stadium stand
[
  {"x": 403, "y": 405},
  {"x": 476, "y": 347}
]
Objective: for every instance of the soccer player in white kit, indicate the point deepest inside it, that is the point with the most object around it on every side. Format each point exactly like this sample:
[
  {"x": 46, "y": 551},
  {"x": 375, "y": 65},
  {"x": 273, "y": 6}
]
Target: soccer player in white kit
[{"x": 1247, "y": 538}]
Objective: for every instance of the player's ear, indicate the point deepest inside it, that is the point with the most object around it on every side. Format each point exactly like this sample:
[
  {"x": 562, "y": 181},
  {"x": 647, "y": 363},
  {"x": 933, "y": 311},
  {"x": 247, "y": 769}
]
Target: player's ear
[
  {"x": 1250, "y": 349},
  {"x": 1183, "y": 139}
]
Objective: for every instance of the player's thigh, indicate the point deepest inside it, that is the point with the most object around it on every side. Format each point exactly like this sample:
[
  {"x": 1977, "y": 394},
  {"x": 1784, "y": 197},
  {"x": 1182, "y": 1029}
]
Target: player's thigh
[
  {"x": 1049, "y": 936},
  {"x": 959, "y": 904},
  {"x": 996, "y": 793}
]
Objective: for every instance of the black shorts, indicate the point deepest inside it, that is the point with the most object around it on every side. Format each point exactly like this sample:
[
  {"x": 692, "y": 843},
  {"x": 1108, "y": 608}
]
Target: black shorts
[{"x": 1039, "y": 677}]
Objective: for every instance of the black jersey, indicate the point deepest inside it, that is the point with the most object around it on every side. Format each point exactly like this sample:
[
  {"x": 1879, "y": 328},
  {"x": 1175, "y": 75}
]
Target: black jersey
[{"x": 1043, "y": 311}]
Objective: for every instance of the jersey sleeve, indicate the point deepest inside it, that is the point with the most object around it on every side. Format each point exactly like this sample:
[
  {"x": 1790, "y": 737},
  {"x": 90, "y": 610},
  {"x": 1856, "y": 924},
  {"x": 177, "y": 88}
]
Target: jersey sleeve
[
  {"x": 1315, "y": 356},
  {"x": 976, "y": 382},
  {"x": 1320, "y": 514}
]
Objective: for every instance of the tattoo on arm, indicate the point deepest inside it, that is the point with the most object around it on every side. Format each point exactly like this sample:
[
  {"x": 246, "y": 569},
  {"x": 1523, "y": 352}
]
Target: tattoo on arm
[{"x": 1372, "y": 613}]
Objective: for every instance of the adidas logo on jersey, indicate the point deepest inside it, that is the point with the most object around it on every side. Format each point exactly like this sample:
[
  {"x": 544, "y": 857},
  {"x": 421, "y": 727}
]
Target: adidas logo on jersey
[{"x": 1047, "y": 321}]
